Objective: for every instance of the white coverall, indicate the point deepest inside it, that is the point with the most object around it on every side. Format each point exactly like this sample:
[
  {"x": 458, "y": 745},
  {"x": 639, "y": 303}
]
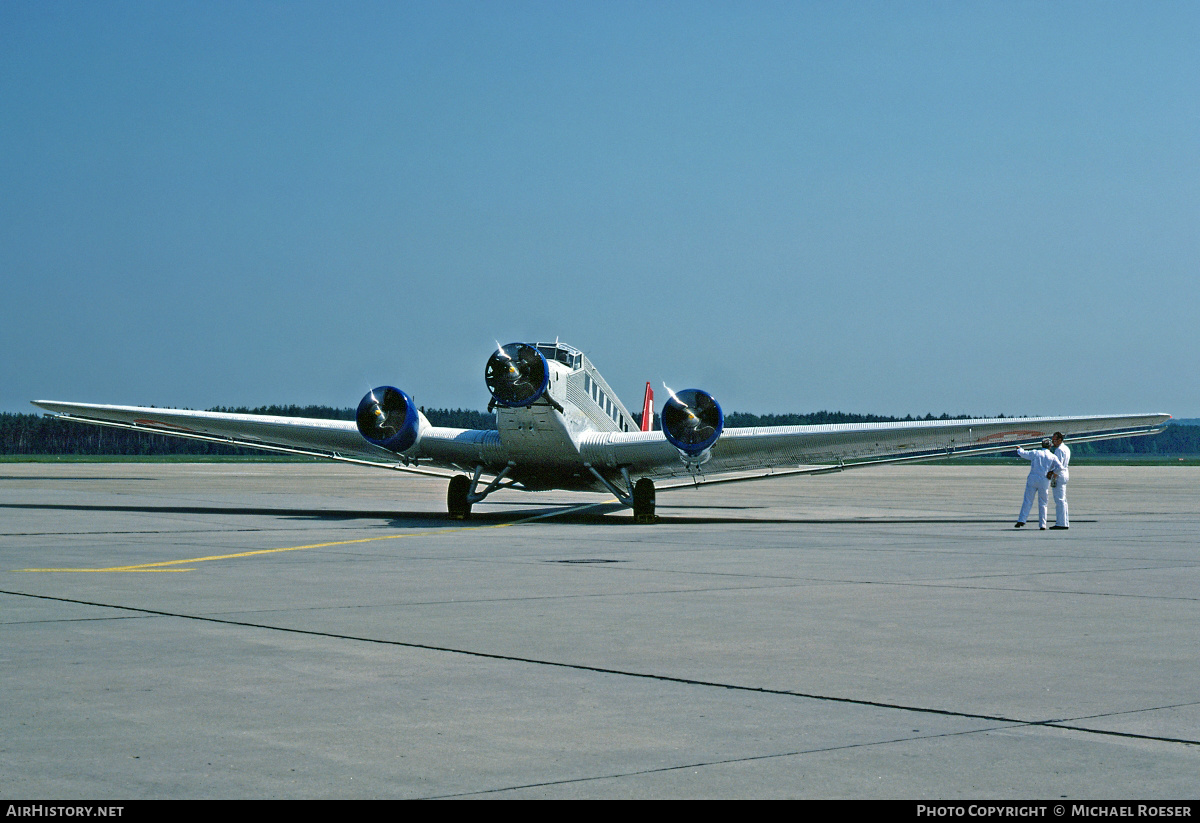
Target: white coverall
[
  {"x": 1041, "y": 461},
  {"x": 1063, "y": 453}
]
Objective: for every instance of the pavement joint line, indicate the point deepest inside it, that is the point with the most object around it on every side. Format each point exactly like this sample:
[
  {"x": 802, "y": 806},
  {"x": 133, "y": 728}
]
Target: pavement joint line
[
  {"x": 1051, "y": 723},
  {"x": 918, "y": 584},
  {"x": 723, "y": 762},
  {"x": 797, "y": 753}
]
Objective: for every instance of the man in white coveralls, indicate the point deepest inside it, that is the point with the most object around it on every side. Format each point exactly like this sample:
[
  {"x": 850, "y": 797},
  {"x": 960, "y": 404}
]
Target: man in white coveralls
[
  {"x": 1059, "y": 487},
  {"x": 1043, "y": 467}
]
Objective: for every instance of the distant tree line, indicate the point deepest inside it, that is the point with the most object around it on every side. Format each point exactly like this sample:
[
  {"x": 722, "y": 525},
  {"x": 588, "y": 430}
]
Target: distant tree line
[
  {"x": 43, "y": 434},
  {"x": 746, "y": 419},
  {"x": 739, "y": 419},
  {"x": 1174, "y": 440},
  {"x": 322, "y": 412}
]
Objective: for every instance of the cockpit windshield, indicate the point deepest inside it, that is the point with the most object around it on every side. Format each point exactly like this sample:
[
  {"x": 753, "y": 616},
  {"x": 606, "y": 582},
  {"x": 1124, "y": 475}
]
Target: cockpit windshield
[{"x": 563, "y": 354}]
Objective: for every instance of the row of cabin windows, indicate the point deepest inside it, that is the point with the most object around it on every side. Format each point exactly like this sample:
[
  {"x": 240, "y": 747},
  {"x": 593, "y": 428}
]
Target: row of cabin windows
[{"x": 602, "y": 400}]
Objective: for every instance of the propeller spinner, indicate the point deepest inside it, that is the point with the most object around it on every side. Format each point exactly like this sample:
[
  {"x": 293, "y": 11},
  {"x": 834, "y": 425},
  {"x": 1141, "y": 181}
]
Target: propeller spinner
[
  {"x": 516, "y": 375},
  {"x": 387, "y": 417},
  {"x": 692, "y": 420}
]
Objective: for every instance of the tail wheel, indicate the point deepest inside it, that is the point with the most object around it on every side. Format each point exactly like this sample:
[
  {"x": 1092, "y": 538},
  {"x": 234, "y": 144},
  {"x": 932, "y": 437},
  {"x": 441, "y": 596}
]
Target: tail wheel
[
  {"x": 456, "y": 497},
  {"x": 643, "y": 501}
]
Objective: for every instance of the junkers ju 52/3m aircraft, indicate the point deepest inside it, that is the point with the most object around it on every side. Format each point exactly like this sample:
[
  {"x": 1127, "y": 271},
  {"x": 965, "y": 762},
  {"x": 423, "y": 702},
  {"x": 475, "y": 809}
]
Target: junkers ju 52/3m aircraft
[{"x": 560, "y": 426}]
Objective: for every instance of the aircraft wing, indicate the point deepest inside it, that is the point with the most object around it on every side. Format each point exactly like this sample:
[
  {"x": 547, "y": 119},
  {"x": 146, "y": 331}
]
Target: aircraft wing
[
  {"x": 739, "y": 454},
  {"x": 310, "y": 437},
  {"x": 754, "y": 453}
]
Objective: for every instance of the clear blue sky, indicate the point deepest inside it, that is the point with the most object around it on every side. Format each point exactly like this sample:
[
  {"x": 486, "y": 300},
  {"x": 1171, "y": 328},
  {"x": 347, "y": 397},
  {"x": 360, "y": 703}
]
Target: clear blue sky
[{"x": 884, "y": 207}]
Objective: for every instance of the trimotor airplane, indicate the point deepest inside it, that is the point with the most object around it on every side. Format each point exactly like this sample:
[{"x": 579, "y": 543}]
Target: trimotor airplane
[{"x": 560, "y": 426}]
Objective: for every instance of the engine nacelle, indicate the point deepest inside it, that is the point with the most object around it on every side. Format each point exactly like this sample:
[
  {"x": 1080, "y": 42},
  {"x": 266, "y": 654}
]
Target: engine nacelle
[
  {"x": 692, "y": 421},
  {"x": 516, "y": 375},
  {"x": 387, "y": 417}
]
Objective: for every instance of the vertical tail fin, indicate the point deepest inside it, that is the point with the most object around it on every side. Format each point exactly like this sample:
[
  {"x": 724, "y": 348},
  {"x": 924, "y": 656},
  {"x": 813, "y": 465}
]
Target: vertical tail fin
[{"x": 648, "y": 409}]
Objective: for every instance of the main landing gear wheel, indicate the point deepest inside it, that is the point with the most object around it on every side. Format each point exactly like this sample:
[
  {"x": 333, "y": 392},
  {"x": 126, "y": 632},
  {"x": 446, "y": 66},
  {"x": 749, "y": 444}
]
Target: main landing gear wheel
[
  {"x": 643, "y": 501},
  {"x": 456, "y": 497}
]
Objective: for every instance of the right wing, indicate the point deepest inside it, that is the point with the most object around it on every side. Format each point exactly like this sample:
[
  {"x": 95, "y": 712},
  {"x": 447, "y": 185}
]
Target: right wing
[
  {"x": 753, "y": 453},
  {"x": 444, "y": 448}
]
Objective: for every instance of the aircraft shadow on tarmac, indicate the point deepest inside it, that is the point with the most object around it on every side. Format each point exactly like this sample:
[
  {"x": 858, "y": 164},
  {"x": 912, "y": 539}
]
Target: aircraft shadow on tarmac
[{"x": 589, "y": 514}]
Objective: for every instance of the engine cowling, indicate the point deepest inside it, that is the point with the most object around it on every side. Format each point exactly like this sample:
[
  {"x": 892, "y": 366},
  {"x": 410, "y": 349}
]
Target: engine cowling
[
  {"x": 516, "y": 375},
  {"x": 692, "y": 421},
  {"x": 388, "y": 417}
]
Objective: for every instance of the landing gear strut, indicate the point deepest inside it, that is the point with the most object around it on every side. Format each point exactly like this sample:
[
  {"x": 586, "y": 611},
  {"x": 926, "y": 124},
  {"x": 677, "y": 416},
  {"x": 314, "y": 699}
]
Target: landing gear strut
[
  {"x": 639, "y": 495},
  {"x": 462, "y": 494}
]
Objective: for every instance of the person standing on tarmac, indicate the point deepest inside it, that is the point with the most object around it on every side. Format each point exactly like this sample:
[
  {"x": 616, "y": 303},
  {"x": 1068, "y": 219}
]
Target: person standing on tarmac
[
  {"x": 1043, "y": 467},
  {"x": 1059, "y": 485}
]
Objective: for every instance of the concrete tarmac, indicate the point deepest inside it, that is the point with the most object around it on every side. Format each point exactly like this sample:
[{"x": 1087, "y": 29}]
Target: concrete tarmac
[{"x": 314, "y": 630}]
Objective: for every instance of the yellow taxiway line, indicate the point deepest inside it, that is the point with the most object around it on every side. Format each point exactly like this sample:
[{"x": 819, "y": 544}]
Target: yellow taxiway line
[{"x": 160, "y": 566}]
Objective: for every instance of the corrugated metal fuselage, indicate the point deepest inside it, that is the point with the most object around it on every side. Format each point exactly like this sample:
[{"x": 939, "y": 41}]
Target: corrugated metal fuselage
[{"x": 543, "y": 444}]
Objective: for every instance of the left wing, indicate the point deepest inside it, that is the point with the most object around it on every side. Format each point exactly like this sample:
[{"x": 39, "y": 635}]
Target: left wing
[
  {"x": 752, "y": 453},
  {"x": 440, "y": 447}
]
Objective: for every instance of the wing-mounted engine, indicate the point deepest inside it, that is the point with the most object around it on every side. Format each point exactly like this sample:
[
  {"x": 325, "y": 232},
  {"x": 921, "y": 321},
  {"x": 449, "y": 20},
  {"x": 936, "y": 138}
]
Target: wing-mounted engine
[
  {"x": 692, "y": 421},
  {"x": 388, "y": 417},
  {"x": 516, "y": 375}
]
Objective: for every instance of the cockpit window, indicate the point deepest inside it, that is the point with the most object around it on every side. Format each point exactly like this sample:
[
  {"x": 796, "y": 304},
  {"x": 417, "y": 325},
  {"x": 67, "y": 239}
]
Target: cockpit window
[{"x": 562, "y": 355}]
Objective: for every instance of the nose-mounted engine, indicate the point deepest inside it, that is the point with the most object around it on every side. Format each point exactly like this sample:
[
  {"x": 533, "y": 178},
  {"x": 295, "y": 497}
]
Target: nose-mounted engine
[
  {"x": 387, "y": 417},
  {"x": 692, "y": 421},
  {"x": 516, "y": 375}
]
